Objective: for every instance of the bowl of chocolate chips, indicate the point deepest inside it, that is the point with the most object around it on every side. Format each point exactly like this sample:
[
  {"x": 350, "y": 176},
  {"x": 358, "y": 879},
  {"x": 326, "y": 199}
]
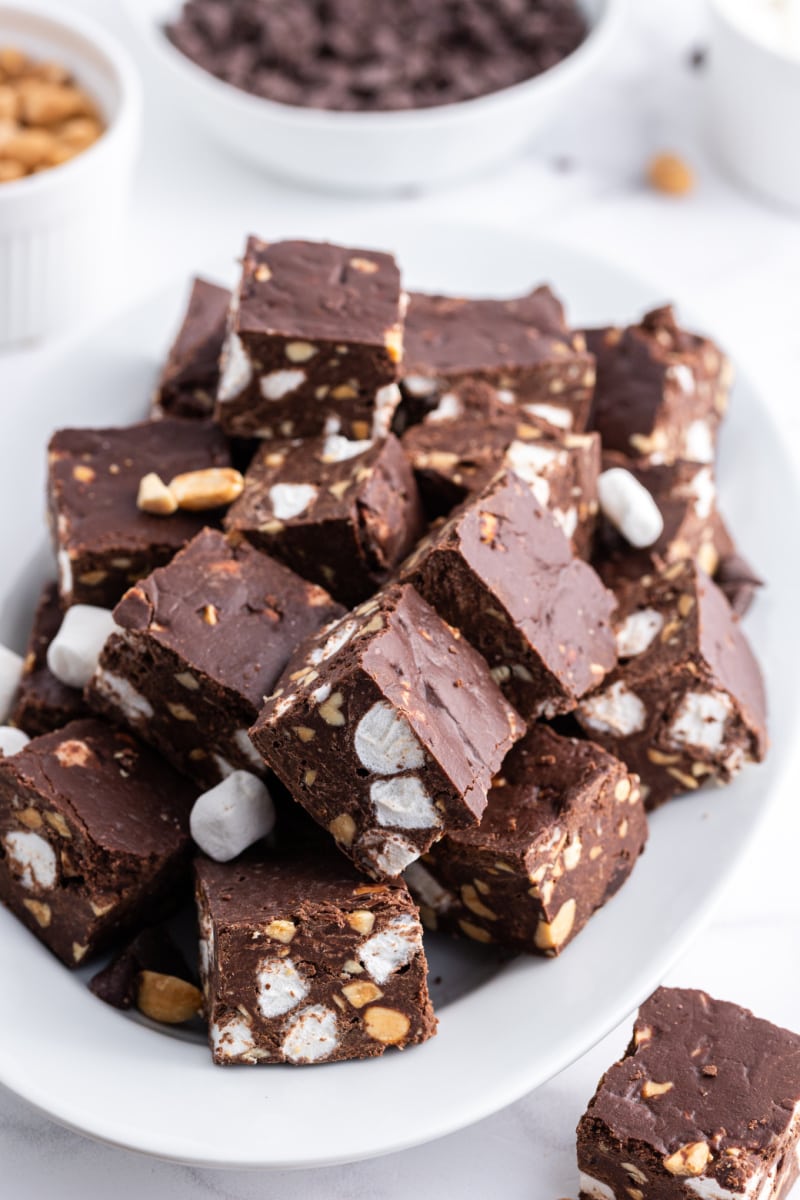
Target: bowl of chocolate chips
[{"x": 375, "y": 95}]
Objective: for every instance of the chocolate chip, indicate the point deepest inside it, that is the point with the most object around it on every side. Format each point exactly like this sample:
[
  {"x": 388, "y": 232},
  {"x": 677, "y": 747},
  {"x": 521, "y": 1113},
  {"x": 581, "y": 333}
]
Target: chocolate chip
[{"x": 376, "y": 54}]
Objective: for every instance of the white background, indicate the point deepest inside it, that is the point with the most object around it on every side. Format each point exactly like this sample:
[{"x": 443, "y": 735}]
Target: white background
[{"x": 732, "y": 258}]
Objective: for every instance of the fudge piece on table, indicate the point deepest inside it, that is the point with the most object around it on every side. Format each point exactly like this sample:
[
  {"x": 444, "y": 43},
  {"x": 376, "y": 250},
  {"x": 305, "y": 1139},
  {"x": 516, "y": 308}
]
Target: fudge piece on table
[
  {"x": 315, "y": 335},
  {"x": 686, "y": 703},
  {"x": 502, "y": 571},
  {"x": 188, "y": 383},
  {"x": 661, "y": 392},
  {"x": 705, "y": 1103},
  {"x": 387, "y": 728},
  {"x": 521, "y": 347},
  {"x": 305, "y": 961},
  {"x": 104, "y": 542},
  {"x": 43, "y": 702},
  {"x": 685, "y": 495},
  {"x": 339, "y": 512},
  {"x": 204, "y": 640},
  {"x": 563, "y": 828},
  {"x": 94, "y": 836}
]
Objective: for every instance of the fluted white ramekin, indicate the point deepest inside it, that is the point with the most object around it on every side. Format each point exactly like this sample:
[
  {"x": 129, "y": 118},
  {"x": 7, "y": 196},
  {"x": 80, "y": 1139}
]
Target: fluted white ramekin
[{"x": 59, "y": 228}]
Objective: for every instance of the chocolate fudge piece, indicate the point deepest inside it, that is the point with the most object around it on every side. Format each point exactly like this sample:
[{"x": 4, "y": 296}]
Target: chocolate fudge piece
[
  {"x": 188, "y": 383},
  {"x": 685, "y": 494},
  {"x": 562, "y": 830},
  {"x": 521, "y": 347},
  {"x": 204, "y": 640},
  {"x": 305, "y": 961},
  {"x": 339, "y": 512},
  {"x": 686, "y": 703},
  {"x": 705, "y": 1102},
  {"x": 103, "y": 541},
  {"x": 455, "y": 459},
  {"x": 734, "y": 576},
  {"x": 43, "y": 702},
  {"x": 95, "y": 836},
  {"x": 661, "y": 391},
  {"x": 314, "y": 338},
  {"x": 502, "y": 571},
  {"x": 387, "y": 728}
]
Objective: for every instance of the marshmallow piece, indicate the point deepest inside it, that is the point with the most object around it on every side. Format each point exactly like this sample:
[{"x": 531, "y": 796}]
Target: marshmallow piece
[
  {"x": 629, "y": 507},
  {"x": 228, "y": 818},
  {"x": 10, "y": 673},
  {"x": 11, "y": 740},
  {"x": 73, "y": 654}
]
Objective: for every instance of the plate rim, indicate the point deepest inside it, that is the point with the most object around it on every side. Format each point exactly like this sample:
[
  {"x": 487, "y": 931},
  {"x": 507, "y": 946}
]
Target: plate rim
[{"x": 661, "y": 962}]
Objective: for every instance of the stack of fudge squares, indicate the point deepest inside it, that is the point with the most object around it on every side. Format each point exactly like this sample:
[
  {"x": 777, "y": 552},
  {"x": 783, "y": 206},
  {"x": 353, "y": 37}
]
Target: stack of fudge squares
[{"x": 396, "y": 611}]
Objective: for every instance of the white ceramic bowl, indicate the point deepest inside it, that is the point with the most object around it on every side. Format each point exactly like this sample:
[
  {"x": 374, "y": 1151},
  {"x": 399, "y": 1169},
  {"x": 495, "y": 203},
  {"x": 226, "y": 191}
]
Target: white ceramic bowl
[
  {"x": 369, "y": 151},
  {"x": 59, "y": 229},
  {"x": 754, "y": 100}
]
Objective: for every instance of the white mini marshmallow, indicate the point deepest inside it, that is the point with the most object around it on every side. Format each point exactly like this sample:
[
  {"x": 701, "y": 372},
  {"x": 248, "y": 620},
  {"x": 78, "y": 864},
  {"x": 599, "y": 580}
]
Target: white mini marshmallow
[
  {"x": 10, "y": 674},
  {"x": 637, "y": 632},
  {"x": 228, "y": 818},
  {"x": 385, "y": 742},
  {"x": 313, "y": 1036},
  {"x": 278, "y": 384},
  {"x": 389, "y": 950},
  {"x": 237, "y": 369},
  {"x": 426, "y": 889},
  {"x": 340, "y": 634},
  {"x": 118, "y": 691},
  {"x": 291, "y": 499},
  {"x": 629, "y": 507},
  {"x": 233, "y": 1038},
  {"x": 552, "y": 413},
  {"x": 448, "y": 408},
  {"x": 387, "y": 399},
  {"x": 698, "y": 442},
  {"x": 73, "y": 654},
  {"x": 280, "y": 987},
  {"x": 700, "y": 721},
  {"x": 336, "y": 448},
  {"x": 12, "y": 740},
  {"x": 65, "y": 580},
  {"x": 404, "y": 803},
  {"x": 420, "y": 385},
  {"x": 394, "y": 854},
  {"x": 617, "y": 711},
  {"x": 595, "y": 1188},
  {"x": 33, "y": 858}
]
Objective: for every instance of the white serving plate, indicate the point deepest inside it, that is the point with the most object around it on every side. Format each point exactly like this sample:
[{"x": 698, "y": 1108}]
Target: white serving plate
[
  {"x": 375, "y": 151},
  {"x": 504, "y": 1029}
]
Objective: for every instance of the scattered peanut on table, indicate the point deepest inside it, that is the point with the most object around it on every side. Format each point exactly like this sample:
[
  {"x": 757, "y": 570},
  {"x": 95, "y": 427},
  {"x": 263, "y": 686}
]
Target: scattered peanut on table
[{"x": 45, "y": 117}]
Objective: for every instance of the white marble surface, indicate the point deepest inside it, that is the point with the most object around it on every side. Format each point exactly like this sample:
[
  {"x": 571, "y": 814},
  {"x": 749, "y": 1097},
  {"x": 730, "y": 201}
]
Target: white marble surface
[{"x": 733, "y": 259}]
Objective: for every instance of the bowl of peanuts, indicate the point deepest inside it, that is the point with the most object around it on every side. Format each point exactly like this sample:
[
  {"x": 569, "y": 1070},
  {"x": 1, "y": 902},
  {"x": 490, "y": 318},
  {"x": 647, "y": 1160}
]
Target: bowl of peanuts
[{"x": 70, "y": 111}]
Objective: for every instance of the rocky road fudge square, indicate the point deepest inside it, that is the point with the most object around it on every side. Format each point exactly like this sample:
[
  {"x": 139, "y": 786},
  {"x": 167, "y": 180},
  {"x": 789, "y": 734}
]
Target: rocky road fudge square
[
  {"x": 455, "y": 459},
  {"x": 339, "y": 512},
  {"x": 522, "y": 347},
  {"x": 44, "y": 703},
  {"x": 315, "y": 336},
  {"x": 94, "y": 837},
  {"x": 563, "y": 827},
  {"x": 188, "y": 383},
  {"x": 686, "y": 703},
  {"x": 705, "y": 1103},
  {"x": 661, "y": 391},
  {"x": 387, "y": 727},
  {"x": 103, "y": 541},
  {"x": 305, "y": 961},
  {"x": 203, "y": 641},
  {"x": 502, "y": 571}
]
